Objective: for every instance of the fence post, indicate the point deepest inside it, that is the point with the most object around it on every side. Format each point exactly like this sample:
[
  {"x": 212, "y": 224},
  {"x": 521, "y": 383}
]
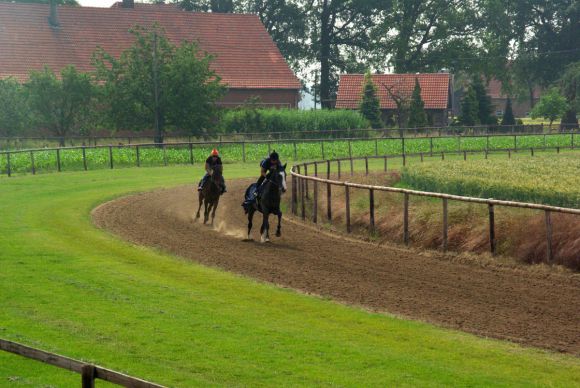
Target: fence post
[
  {"x": 464, "y": 155},
  {"x": 328, "y": 169},
  {"x": 111, "y": 156},
  {"x": 486, "y": 154},
  {"x": 294, "y": 196},
  {"x": 244, "y": 151},
  {"x": 347, "y": 206},
  {"x": 515, "y": 143},
  {"x": 137, "y": 156},
  {"x": 351, "y": 167},
  {"x": 164, "y": 154},
  {"x": 558, "y": 149},
  {"x": 32, "y": 166},
  {"x": 376, "y": 147},
  {"x": 487, "y": 143},
  {"x": 85, "y": 158},
  {"x": 442, "y": 156},
  {"x": 349, "y": 150},
  {"x": 303, "y": 199},
  {"x": 406, "y": 220},
  {"x": 403, "y": 145},
  {"x": 372, "y": 211},
  {"x": 509, "y": 154},
  {"x": 445, "y": 225},
  {"x": 549, "y": 251},
  {"x": 306, "y": 180},
  {"x": 532, "y": 151},
  {"x": 329, "y": 201},
  {"x": 572, "y": 140},
  {"x": 316, "y": 169},
  {"x": 491, "y": 228},
  {"x": 404, "y": 160},
  {"x": 338, "y": 168},
  {"x": 315, "y": 203},
  {"x": 322, "y": 148},
  {"x": 431, "y": 146},
  {"x": 295, "y": 152},
  {"x": 190, "y": 153},
  {"x": 88, "y": 376},
  {"x": 366, "y": 165},
  {"x": 8, "y": 167},
  {"x": 421, "y": 156}
]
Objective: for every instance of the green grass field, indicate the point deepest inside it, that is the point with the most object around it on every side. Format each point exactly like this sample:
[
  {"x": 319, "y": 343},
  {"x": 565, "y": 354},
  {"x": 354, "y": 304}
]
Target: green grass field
[
  {"x": 99, "y": 158},
  {"x": 552, "y": 179},
  {"x": 69, "y": 288}
]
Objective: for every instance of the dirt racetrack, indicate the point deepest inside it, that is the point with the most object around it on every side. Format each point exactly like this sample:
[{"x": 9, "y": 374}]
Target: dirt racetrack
[{"x": 537, "y": 308}]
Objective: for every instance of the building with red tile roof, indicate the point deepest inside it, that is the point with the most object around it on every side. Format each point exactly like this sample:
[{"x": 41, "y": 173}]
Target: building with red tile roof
[
  {"x": 246, "y": 58},
  {"x": 436, "y": 92},
  {"x": 520, "y": 107}
]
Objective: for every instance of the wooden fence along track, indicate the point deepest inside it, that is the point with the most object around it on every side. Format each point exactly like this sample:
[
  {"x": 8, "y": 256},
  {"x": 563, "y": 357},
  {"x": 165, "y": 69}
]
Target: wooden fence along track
[
  {"x": 89, "y": 372},
  {"x": 190, "y": 146},
  {"x": 300, "y": 179}
]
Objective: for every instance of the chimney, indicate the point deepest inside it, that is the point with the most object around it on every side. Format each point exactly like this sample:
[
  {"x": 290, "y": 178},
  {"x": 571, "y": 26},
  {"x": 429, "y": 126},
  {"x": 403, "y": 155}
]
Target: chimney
[
  {"x": 128, "y": 3},
  {"x": 53, "y": 18}
]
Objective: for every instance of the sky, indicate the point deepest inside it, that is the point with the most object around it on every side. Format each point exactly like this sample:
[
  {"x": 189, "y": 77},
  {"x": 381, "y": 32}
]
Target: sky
[{"x": 96, "y": 3}]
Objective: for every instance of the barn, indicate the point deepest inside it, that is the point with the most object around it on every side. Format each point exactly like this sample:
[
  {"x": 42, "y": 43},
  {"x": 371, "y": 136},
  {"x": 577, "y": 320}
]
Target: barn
[
  {"x": 436, "y": 92},
  {"x": 246, "y": 58}
]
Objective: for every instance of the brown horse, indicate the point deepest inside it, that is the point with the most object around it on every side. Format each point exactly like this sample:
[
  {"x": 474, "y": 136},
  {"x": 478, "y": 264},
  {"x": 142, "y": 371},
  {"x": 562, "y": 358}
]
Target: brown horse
[{"x": 210, "y": 194}]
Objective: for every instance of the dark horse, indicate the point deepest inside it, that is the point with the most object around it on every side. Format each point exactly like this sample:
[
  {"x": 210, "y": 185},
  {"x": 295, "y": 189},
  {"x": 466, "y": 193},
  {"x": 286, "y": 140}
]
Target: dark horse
[
  {"x": 269, "y": 203},
  {"x": 210, "y": 194}
]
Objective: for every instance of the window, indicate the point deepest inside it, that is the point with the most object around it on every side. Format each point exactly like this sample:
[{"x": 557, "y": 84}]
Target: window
[{"x": 499, "y": 112}]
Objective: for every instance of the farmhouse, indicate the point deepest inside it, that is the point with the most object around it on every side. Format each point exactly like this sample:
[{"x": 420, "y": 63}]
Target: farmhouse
[
  {"x": 521, "y": 108},
  {"x": 436, "y": 92},
  {"x": 246, "y": 58}
]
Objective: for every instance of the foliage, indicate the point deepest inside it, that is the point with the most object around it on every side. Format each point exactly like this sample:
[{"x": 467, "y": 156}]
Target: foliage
[
  {"x": 370, "y": 105},
  {"x": 246, "y": 120},
  {"x": 60, "y": 104},
  {"x": 13, "y": 108},
  {"x": 485, "y": 109},
  {"x": 552, "y": 106},
  {"x": 469, "y": 108},
  {"x": 417, "y": 115},
  {"x": 528, "y": 180},
  {"x": 508, "y": 114},
  {"x": 155, "y": 84}
]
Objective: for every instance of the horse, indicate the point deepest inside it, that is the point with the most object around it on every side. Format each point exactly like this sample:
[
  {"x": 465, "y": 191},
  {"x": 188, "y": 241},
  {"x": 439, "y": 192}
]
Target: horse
[
  {"x": 210, "y": 194},
  {"x": 269, "y": 203}
]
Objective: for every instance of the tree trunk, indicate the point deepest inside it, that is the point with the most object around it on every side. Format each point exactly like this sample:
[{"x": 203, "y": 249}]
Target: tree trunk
[{"x": 324, "y": 56}]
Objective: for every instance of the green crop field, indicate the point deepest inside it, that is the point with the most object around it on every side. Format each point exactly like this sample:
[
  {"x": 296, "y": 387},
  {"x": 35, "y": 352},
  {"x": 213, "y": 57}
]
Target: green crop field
[
  {"x": 548, "y": 179},
  {"x": 98, "y": 158},
  {"x": 70, "y": 288}
]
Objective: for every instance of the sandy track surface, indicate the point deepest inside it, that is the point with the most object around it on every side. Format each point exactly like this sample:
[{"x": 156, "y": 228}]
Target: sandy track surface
[{"x": 533, "y": 308}]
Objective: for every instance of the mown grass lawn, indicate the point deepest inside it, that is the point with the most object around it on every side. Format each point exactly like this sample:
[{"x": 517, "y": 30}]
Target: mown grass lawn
[{"x": 69, "y": 288}]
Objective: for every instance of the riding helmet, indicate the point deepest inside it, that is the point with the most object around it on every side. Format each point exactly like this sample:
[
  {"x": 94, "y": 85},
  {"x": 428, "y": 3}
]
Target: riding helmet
[
  {"x": 214, "y": 152},
  {"x": 274, "y": 156}
]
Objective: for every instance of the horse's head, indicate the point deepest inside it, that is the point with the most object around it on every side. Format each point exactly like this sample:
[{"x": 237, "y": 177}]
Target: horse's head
[
  {"x": 217, "y": 172},
  {"x": 279, "y": 178}
]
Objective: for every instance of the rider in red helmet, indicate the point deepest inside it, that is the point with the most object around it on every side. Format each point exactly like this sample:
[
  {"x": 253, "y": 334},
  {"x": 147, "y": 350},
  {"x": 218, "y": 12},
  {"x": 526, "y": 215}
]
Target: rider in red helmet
[{"x": 211, "y": 162}]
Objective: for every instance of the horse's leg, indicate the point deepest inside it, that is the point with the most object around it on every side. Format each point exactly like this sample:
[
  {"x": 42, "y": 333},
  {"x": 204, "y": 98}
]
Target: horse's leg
[
  {"x": 200, "y": 203},
  {"x": 206, "y": 211},
  {"x": 215, "y": 205},
  {"x": 250, "y": 217},
  {"x": 279, "y": 229},
  {"x": 264, "y": 229}
]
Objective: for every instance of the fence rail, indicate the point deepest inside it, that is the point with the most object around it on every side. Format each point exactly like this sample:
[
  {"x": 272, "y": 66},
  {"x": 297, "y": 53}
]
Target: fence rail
[
  {"x": 300, "y": 193},
  {"x": 89, "y": 372},
  {"x": 6, "y": 142},
  {"x": 240, "y": 150}
]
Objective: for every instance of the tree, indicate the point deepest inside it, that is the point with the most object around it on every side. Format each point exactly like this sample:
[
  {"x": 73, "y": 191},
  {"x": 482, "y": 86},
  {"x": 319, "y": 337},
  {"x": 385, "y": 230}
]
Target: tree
[
  {"x": 508, "y": 114},
  {"x": 551, "y": 106},
  {"x": 469, "y": 108},
  {"x": 484, "y": 108},
  {"x": 570, "y": 86},
  {"x": 155, "y": 84},
  {"x": 60, "y": 104},
  {"x": 417, "y": 115},
  {"x": 370, "y": 105},
  {"x": 13, "y": 109},
  {"x": 402, "y": 100}
]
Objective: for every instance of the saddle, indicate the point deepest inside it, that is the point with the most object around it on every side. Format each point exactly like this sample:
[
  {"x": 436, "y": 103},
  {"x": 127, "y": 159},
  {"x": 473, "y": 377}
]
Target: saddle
[{"x": 251, "y": 198}]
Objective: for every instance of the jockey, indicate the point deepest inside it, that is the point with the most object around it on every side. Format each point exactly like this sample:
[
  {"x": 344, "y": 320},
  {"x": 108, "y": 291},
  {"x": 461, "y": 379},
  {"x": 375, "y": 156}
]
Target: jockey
[
  {"x": 211, "y": 162},
  {"x": 267, "y": 165}
]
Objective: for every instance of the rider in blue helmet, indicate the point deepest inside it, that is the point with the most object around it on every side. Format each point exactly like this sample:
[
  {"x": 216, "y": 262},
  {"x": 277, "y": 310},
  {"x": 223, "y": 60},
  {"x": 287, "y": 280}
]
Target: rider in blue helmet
[{"x": 270, "y": 163}]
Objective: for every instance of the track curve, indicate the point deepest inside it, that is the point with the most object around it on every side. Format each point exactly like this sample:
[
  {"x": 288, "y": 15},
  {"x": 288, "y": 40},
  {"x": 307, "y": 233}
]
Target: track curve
[{"x": 534, "y": 308}]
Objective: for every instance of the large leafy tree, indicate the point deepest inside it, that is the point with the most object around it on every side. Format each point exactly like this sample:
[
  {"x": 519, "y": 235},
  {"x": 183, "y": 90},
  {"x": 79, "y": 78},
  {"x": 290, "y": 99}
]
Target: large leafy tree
[
  {"x": 570, "y": 86},
  {"x": 60, "y": 104},
  {"x": 552, "y": 106},
  {"x": 13, "y": 108},
  {"x": 155, "y": 84}
]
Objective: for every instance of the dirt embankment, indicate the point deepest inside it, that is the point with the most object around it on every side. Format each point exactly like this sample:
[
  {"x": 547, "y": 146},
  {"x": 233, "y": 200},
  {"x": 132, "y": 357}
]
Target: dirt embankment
[{"x": 538, "y": 308}]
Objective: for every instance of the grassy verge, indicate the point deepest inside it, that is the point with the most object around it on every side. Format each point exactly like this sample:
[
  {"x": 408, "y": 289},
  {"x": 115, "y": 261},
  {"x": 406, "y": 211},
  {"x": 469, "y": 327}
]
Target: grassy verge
[{"x": 69, "y": 288}]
